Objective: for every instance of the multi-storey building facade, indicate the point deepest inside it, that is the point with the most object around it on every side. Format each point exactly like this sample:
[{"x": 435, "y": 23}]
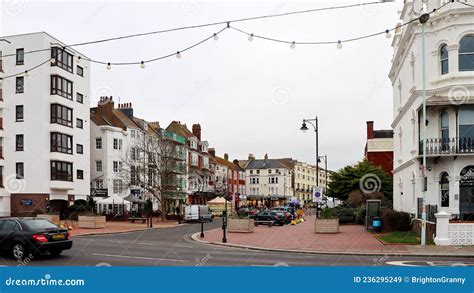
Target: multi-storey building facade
[
  {"x": 228, "y": 176},
  {"x": 379, "y": 147},
  {"x": 44, "y": 136},
  {"x": 268, "y": 181},
  {"x": 305, "y": 180},
  {"x": 200, "y": 170},
  {"x": 449, "y": 120}
]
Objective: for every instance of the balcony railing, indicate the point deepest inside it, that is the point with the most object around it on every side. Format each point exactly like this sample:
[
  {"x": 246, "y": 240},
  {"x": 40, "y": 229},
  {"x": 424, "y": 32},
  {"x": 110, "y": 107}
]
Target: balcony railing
[{"x": 446, "y": 146}]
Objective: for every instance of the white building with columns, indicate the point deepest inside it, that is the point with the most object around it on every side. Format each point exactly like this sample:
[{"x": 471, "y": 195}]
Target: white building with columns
[
  {"x": 450, "y": 109},
  {"x": 44, "y": 125}
]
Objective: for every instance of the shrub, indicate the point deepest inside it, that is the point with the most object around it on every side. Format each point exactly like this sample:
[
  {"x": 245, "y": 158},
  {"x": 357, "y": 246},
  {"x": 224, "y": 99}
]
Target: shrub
[
  {"x": 359, "y": 215},
  {"x": 327, "y": 213},
  {"x": 345, "y": 214},
  {"x": 396, "y": 221}
]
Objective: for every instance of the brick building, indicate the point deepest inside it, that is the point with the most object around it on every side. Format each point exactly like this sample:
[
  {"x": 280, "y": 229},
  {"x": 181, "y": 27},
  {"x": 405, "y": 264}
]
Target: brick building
[{"x": 379, "y": 147}]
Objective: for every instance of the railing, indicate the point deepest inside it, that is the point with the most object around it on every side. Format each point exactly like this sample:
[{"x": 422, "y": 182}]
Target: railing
[{"x": 452, "y": 145}]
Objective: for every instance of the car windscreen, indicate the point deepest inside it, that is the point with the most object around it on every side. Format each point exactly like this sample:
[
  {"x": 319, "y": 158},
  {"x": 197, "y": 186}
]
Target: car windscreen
[{"x": 39, "y": 224}]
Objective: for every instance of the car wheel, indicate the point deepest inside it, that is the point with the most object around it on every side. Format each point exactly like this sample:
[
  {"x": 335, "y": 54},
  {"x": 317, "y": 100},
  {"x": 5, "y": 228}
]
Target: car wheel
[
  {"x": 55, "y": 252},
  {"x": 19, "y": 251}
]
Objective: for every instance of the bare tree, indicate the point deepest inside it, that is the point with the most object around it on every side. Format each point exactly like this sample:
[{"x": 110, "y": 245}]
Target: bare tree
[{"x": 155, "y": 164}]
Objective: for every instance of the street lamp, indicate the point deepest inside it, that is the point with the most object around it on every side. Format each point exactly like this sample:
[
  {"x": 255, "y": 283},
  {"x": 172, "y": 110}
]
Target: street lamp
[
  {"x": 304, "y": 128},
  {"x": 224, "y": 213}
]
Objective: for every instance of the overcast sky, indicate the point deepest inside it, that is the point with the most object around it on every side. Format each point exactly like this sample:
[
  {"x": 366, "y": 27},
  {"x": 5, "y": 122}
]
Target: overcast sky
[{"x": 249, "y": 97}]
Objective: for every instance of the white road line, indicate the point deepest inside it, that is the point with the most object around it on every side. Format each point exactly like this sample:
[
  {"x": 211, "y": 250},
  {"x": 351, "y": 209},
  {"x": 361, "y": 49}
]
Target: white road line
[{"x": 139, "y": 257}]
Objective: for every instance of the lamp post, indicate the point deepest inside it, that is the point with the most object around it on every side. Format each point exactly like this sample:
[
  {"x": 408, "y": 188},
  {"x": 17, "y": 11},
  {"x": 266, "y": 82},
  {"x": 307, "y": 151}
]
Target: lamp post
[
  {"x": 325, "y": 158},
  {"x": 304, "y": 128},
  {"x": 224, "y": 213}
]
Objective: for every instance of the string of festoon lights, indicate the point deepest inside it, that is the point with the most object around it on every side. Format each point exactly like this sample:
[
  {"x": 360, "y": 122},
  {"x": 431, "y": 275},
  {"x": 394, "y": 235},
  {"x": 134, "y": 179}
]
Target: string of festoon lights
[{"x": 215, "y": 36}]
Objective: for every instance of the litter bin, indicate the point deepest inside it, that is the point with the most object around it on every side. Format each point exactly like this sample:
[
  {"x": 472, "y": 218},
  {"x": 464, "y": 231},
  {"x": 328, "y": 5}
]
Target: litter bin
[{"x": 376, "y": 224}]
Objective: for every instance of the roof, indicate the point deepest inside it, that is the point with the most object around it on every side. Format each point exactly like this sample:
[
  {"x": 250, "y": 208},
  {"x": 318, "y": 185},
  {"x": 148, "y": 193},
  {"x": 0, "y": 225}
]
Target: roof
[
  {"x": 127, "y": 122},
  {"x": 383, "y": 133},
  {"x": 224, "y": 162},
  {"x": 180, "y": 129},
  {"x": 267, "y": 164}
]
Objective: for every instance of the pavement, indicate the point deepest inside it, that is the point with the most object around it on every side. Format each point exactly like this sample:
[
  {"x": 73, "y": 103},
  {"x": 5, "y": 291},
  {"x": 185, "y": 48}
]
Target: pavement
[
  {"x": 300, "y": 238},
  {"x": 118, "y": 227}
]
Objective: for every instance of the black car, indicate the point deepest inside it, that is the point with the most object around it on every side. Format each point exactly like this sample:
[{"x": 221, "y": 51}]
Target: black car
[
  {"x": 22, "y": 236},
  {"x": 270, "y": 215}
]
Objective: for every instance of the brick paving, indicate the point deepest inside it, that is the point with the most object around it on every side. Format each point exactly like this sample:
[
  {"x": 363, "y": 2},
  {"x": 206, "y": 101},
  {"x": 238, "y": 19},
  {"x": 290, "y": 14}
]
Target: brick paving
[{"x": 301, "y": 237}]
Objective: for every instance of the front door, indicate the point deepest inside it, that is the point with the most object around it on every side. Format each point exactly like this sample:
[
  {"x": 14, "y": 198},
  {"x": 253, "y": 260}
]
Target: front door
[{"x": 466, "y": 194}]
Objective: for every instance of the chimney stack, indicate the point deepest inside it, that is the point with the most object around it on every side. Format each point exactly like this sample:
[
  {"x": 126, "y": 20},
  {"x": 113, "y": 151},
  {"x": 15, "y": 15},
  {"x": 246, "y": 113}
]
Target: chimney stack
[
  {"x": 127, "y": 109},
  {"x": 370, "y": 129},
  {"x": 251, "y": 157},
  {"x": 265, "y": 157},
  {"x": 212, "y": 151},
  {"x": 197, "y": 131},
  {"x": 226, "y": 156}
]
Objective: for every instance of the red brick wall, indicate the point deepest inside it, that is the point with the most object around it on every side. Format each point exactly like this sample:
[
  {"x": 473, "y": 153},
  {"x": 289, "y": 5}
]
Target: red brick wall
[{"x": 382, "y": 159}]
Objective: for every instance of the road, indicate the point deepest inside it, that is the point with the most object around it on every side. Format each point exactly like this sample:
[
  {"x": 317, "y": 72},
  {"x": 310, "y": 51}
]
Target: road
[{"x": 173, "y": 247}]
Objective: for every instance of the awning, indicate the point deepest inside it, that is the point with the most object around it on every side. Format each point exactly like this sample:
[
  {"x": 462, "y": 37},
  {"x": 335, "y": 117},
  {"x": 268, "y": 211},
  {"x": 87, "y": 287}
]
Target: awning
[
  {"x": 113, "y": 199},
  {"x": 133, "y": 198}
]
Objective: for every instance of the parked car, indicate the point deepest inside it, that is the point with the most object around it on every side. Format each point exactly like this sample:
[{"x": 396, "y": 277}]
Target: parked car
[
  {"x": 288, "y": 209},
  {"x": 270, "y": 215},
  {"x": 247, "y": 212},
  {"x": 196, "y": 213},
  {"x": 22, "y": 236}
]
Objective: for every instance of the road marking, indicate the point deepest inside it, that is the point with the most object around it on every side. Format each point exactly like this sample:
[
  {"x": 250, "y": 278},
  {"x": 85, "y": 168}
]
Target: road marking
[
  {"x": 442, "y": 263},
  {"x": 139, "y": 257}
]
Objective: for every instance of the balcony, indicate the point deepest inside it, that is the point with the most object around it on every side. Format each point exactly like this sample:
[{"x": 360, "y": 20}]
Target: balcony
[{"x": 448, "y": 146}]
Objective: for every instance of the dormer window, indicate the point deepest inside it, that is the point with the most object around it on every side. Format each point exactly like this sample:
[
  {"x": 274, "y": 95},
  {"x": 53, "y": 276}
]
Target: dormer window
[{"x": 193, "y": 144}]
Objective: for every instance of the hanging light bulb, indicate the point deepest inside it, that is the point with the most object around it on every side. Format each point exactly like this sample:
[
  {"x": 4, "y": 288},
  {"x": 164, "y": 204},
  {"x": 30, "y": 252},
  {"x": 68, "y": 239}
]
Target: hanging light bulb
[
  {"x": 388, "y": 35},
  {"x": 26, "y": 73},
  {"x": 293, "y": 45},
  {"x": 339, "y": 44},
  {"x": 216, "y": 37},
  {"x": 78, "y": 59},
  {"x": 53, "y": 61},
  {"x": 178, "y": 55},
  {"x": 142, "y": 64},
  {"x": 109, "y": 66},
  {"x": 251, "y": 37}
]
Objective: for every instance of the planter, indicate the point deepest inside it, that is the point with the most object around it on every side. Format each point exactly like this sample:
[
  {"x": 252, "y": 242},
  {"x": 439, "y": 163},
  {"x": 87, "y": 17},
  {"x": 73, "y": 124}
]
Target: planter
[
  {"x": 323, "y": 226},
  {"x": 91, "y": 222},
  {"x": 241, "y": 225},
  {"x": 52, "y": 218}
]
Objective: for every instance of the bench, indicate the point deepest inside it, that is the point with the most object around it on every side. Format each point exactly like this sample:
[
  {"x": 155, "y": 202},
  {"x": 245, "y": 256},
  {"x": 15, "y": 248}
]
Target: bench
[
  {"x": 132, "y": 220},
  {"x": 268, "y": 223}
]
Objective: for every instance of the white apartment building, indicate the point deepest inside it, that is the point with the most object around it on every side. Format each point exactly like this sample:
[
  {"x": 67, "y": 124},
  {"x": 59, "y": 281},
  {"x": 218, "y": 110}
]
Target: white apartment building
[
  {"x": 44, "y": 133},
  {"x": 450, "y": 109},
  {"x": 268, "y": 181}
]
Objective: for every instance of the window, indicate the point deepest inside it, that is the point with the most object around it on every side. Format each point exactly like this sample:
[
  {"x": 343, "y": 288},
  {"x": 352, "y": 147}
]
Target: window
[
  {"x": 192, "y": 144},
  {"x": 19, "y": 142},
  {"x": 118, "y": 186},
  {"x": 444, "y": 130},
  {"x": 205, "y": 162},
  {"x": 61, "y": 171},
  {"x": 98, "y": 166},
  {"x": 61, "y": 115},
  {"x": 443, "y": 54},
  {"x": 79, "y": 70},
  {"x": 79, "y": 148},
  {"x": 20, "y": 171},
  {"x": 133, "y": 175},
  {"x": 9, "y": 226},
  {"x": 61, "y": 86},
  {"x": 466, "y": 53},
  {"x": 61, "y": 143},
  {"x": 79, "y": 98},
  {"x": 444, "y": 187},
  {"x": 98, "y": 143},
  {"x": 20, "y": 56},
  {"x": 19, "y": 113},
  {"x": 117, "y": 166},
  {"x": 79, "y": 123},
  {"x": 20, "y": 84},
  {"x": 194, "y": 159},
  {"x": 79, "y": 174},
  {"x": 466, "y": 128},
  {"x": 99, "y": 183},
  {"x": 117, "y": 144},
  {"x": 61, "y": 58}
]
